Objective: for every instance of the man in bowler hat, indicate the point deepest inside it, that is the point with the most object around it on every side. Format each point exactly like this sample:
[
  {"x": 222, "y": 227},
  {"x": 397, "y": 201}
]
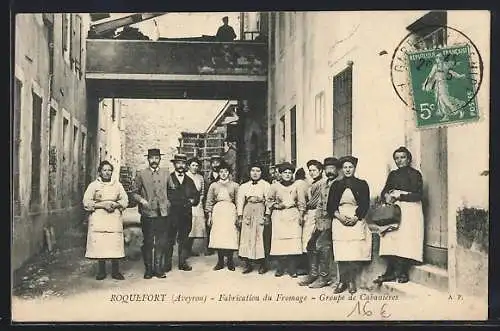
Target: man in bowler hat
[
  {"x": 183, "y": 195},
  {"x": 150, "y": 192}
]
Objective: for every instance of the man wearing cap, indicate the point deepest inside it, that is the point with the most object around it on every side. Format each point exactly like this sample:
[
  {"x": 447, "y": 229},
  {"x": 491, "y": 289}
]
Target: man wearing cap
[
  {"x": 149, "y": 190},
  {"x": 319, "y": 247},
  {"x": 183, "y": 195}
]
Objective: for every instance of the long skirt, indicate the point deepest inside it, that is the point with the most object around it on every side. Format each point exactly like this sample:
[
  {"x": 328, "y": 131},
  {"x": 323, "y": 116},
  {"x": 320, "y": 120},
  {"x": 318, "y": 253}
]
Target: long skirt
[
  {"x": 408, "y": 240},
  {"x": 198, "y": 228},
  {"x": 105, "y": 235},
  {"x": 252, "y": 229},
  {"x": 286, "y": 232},
  {"x": 351, "y": 243},
  {"x": 224, "y": 234},
  {"x": 308, "y": 228}
]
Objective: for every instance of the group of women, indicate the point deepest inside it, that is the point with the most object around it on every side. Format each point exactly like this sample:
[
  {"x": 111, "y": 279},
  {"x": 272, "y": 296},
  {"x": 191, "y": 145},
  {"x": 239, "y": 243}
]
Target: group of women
[{"x": 234, "y": 217}]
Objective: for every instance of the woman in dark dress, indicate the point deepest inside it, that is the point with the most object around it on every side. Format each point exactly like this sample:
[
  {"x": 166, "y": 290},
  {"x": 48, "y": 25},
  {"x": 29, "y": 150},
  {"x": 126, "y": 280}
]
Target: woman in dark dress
[
  {"x": 404, "y": 246},
  {"x": 348, "y": 204}
]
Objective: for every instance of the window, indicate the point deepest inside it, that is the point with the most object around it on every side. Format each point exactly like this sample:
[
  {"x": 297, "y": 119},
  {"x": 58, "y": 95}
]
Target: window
[
  {"x": 342, "y": 113},
  {"x": 273, "y": 143},
  {"x": 293, "y": 135},
  {"x": 76, "y": 40},
  {"x": 281, "y": 31},
  {"x": 65, "y": 31},
  {"x": 76, "y": 166},
  {"x": 18, "y": 87},
  {"x": 319, "y": 111},
  {"x": 52, "y": 158},
  {"x": 282, "y": 128},
  {"x": 291, "y": 25},
  {"x": 36, "y": 150}
]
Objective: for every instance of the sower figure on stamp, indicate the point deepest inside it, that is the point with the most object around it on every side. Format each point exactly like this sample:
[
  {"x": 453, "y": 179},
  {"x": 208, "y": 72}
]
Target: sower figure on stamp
[
  {"x": 319, "y": 247},
  {"x": 222, "y": 218},
  {"x": 288, "y": 205},
  {"x": 183, "y": 195},
  {"x": 253, "y": 216},
  {"x": 150, "y": 192}
]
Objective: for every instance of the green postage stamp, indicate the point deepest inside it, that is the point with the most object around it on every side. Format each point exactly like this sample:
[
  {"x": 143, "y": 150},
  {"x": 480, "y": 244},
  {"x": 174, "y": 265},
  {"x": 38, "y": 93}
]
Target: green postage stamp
[{"x": 442, "y": 86}]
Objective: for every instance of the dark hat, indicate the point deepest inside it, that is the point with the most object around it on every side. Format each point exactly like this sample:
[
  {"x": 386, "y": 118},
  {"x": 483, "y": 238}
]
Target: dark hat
[
  {"x": 331, "y": 161},
  {"x": 224, "y": 165},
  {"x": 314, "y": 163},
  {"x": 256, "y": 165},
  {"x": 179, "y": 157},
  {"x": 153, "y": 152},
  {"x": 349, "y": 158},
  {"x": 286, "y": 166},
  {"x": 300, "y": 174},
  {"x": 194, "y": 159}
]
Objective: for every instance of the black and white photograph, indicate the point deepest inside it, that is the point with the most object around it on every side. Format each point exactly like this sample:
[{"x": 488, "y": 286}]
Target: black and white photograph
[{"x": 250, "y": 166}]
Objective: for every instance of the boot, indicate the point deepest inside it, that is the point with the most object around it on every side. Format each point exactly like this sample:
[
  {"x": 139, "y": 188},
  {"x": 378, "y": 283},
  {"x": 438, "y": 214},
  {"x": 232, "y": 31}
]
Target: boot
[
  {"x": 280, "y": 271},
  {"x": 115, "y": 270},
  {"x": 220, "y": 261},
  {"x": 263, "y": 267},
  {"x": 101, "y": 270},
  {"x": 230, "y": 261},
  {"x": 147, "y": 256},
  {"x": 183, "y": 265},
  {"x": 313, "y": 270},
  {"x": 247, "y": 266},
  {"x": 167, "y": 258},
  {"x": 292, "y": 267},
  {"x": 302, "y": 262},
  {"x": 158, "y": 270},
  {"x": 321, "y": 282}
]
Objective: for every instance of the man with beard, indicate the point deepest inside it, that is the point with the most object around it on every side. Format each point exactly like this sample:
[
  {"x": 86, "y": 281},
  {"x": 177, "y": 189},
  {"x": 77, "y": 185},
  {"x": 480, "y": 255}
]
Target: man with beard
[
  {"x": 183, "y": 195},
  {"x": 319, "y": 247},
  {"x": 150, "y": 191}
]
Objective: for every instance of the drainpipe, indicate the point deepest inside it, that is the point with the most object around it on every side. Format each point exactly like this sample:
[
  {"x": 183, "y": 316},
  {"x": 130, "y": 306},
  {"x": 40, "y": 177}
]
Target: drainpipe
[{"x": 242, "y": 26}]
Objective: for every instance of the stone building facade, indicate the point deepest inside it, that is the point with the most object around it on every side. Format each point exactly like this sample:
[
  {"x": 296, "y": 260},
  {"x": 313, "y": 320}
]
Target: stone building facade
[
  {"x": 330, "y": 93},
  {"x": 50, "y": 125}
]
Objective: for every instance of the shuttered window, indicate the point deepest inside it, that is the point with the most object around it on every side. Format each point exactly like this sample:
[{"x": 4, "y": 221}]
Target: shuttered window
[{"x": 342, "y": 113}]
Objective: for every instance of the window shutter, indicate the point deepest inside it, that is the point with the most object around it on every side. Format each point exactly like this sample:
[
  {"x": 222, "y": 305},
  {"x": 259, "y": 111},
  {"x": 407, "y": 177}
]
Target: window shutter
[
  {"x": 65, "y": 26},
  {"x": 78, "y": 41},
  {"x": 74, "y": 48}
]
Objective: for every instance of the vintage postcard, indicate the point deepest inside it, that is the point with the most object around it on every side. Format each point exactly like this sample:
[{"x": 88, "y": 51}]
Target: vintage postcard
[{"x": 251, "y": 166}]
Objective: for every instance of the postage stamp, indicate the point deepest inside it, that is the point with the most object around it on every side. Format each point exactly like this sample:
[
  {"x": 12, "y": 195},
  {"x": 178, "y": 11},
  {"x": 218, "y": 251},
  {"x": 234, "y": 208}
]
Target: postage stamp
[{"x": 440, "y": 83}]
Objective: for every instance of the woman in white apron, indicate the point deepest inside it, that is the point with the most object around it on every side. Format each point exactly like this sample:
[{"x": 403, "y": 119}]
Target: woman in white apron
[
  {"x": 221, "y": 210},
  {"x": 288, "y": 205},
  {"x": 198, "y": 228},
  {"x": 105, "y": 199},
  {"x": 403, "y": 247},
  {"x": 252, "y": 217},
  {"x": 304, "y": 185},
  {"x": 348, "y": 204}
]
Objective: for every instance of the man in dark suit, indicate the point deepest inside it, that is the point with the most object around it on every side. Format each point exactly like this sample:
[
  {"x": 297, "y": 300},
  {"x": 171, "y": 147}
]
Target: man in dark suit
[
  {"x": 225, "y": 31},
  {"x": 182, "y": 194},
  {"x": 149, "y": 190}
]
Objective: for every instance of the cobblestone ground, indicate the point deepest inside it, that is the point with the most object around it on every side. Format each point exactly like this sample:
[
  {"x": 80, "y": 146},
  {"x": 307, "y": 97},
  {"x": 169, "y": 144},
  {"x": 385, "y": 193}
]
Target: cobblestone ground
[{"x": 60, "y": 286}]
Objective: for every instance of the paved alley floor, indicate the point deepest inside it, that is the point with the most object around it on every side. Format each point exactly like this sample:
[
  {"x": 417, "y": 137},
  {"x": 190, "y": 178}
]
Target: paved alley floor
[{"x": 61, "y": 287}]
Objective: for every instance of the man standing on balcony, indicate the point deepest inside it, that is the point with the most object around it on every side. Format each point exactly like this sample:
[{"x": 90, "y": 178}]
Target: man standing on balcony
[{"x": 225, "y": 31}]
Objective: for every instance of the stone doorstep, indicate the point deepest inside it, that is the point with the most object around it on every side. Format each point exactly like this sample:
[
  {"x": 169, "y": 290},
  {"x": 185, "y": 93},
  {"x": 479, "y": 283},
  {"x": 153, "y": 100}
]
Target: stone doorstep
[
  {"x": 430, "y": 276},
  {"x": 411, "y": 290}
]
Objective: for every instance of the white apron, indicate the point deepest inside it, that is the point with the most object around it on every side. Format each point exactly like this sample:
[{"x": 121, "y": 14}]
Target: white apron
[
  {"x": 308, "y": 228},
  {"x": 224, "y": 233},
  {"x": 252, "y": 229},
  {"x": 351, "y": 243},
  {"x": 408, "y": 240},
  {"x": 105, "y": 235},
  {"x": 286, "y": 238},
  {"x": 198, "y": 223}
]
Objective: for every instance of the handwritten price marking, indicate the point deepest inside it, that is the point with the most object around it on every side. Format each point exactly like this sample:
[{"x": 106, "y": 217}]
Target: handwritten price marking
[{"x": 364, "y": 309}]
